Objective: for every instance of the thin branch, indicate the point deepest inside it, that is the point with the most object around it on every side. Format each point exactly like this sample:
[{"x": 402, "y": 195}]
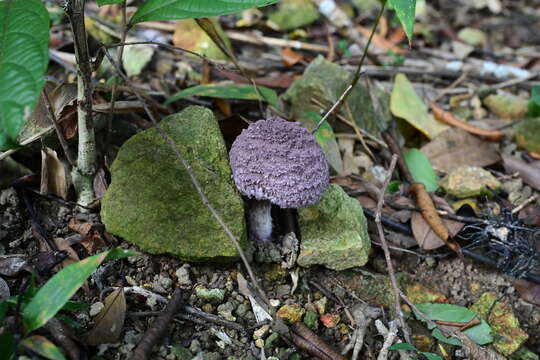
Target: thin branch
[
  {"x": 387, "y": 251},
  {"x": 154, "y": 334},
  {"x": 357, "y": 74}
]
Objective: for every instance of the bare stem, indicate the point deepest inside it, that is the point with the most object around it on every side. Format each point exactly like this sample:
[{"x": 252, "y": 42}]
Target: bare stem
[
  {"x": 83, "y": 172},
  {"x": 356, "y": 77}
]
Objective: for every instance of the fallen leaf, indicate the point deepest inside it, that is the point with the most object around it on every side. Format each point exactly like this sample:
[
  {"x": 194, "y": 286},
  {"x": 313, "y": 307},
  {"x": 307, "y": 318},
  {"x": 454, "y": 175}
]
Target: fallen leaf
[
  {"x": 381, "y": 42},
  {"x": 528, "y": 291},
  {"x": 289, "y": 57},
  {"x": 110, "y": 320},
  {"x": 54, "y": 176},
  {"x": 424, "y": 235},
  {"x": 406, "y": 104},
  {"x": 456, "y": 147}
]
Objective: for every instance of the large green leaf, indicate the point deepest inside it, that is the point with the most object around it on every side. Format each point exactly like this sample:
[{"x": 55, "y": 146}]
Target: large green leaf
[
  {"x": 480, "y": 334},
  {"x": 60, "y": 288},
  {"x": 189, "y": 9},
  {"x": 24, "y": 34},
  {"x": 405, "y": 10},
  {"x": 242, "y": 92},
  {"x": 421, "y": 169}
]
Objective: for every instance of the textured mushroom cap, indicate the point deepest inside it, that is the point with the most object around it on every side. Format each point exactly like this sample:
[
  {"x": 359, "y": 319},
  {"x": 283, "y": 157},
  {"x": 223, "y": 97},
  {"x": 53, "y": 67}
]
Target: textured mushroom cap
[{"x": 279, "y": 161}]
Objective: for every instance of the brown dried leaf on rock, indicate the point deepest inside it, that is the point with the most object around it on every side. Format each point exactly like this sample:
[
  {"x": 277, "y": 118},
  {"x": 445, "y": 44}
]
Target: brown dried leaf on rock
[
  {"x": 424, "y": 235},
  {"x": 455, "y": 147},
  {"x": 110, "y": 320},
  {"x": 528, "y": 291},
  {"x": 54, "y": 176}
]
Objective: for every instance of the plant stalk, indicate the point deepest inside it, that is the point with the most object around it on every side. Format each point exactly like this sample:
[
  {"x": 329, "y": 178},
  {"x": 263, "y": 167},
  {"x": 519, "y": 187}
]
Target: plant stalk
[{"x": 83, "y": 173}]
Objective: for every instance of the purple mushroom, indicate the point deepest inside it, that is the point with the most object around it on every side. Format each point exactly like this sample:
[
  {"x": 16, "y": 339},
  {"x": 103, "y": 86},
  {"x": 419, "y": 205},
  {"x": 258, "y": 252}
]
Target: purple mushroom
[{"x": 275, "y": 161}]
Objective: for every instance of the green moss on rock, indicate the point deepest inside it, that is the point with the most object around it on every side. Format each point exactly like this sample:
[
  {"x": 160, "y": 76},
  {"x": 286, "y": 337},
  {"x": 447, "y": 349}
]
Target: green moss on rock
[
  {"x": 333, "y": 232},
  {"x": 152, "y": 203}
]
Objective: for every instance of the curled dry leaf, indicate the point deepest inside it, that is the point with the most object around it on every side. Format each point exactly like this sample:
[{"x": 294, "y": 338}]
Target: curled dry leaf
[
  {"x": 429, "y": 213},
  {"x": 54, "y": 176},
  {"x": 92, "y": 240},
  {"x": 110, "y": 320},
  {"x": 452, "y": 120}
]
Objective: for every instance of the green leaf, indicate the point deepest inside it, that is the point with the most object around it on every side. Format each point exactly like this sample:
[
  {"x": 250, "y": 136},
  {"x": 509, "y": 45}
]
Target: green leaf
[
  {"x": 405, "y": 12},
  {"x": 534, "y": 102},
  {"x": 393, "y": 186},
  {"x": 437, "y": 334},
  {"x": 402, "y": 346},
  {"x": 108, "y": 2},
  {"x": 480, "y": 334},
  {"x": 50, "y": 298},
  {"x": 189, "y": 9},
  {"x": 241, "y": 92},
  {"x": 7, "y": 343},
  {"x": 24, "y": 34},
  {"x": 41, "y": 346},
  {"x": 431, "y": 356},
  {"x": 421, "y": 169},
  {"x": 406, "y": 104},
  {"x": 325, "y": 137}
]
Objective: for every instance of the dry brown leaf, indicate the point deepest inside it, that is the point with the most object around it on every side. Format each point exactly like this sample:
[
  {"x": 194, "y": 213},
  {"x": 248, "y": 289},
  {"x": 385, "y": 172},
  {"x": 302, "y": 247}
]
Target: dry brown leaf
[
  {"x": 455, "y": 147},
  {"x": 289, "y": 57},
  {"x": 110, "y": 320},
  {"x": 424, "y": 235},
  {"x": 381, "y": 42},
  {"x": 54, "y": 176},
  {"x": 92, "y": 240},
  {"x": 528, "y": 291}
]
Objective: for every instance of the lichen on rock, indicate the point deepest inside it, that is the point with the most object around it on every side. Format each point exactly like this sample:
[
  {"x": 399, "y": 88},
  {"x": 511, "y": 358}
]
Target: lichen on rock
[{"x": 152, "y": 202}]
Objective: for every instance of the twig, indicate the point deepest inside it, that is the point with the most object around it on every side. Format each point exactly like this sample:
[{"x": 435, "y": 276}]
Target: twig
[
  {"x": 525, "y": 203},
  {"x": 357, "y": 74},
  {"x": 382, "y": 240},
  {"x": 154, "y": 334},
  {"x": 193, "y": 179},
  {"x": 308, "y": 341},
  {"x": 389, "y": 336},
  {"x": 83, "y": 173},
  {"x": 59, "y": 132},
  {"x": 270, "y": 41}
]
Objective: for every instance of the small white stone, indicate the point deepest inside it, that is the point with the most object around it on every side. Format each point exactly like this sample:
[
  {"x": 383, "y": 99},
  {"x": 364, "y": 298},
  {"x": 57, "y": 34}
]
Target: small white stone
[{"x": 96, "y": 308}]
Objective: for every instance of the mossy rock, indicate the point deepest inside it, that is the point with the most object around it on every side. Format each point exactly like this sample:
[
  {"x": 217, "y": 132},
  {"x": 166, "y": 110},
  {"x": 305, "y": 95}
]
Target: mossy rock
[
  {"x": 333, "y": 232},
  {"x": 152, "y": 202}
]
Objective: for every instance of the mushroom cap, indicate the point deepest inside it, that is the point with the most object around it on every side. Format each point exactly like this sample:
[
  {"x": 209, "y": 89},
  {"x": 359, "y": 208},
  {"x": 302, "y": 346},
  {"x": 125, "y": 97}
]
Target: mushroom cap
[{"x": 279, "y": 161}]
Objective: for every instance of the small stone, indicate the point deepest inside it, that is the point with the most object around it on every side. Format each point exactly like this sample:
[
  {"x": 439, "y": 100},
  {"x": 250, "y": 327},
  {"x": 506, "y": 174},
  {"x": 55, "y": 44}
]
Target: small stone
[
  {"x": 182, "y": 276},
  {"x": 512, "y": 185},
  {"x": 311, "y": 319},
  {"x": 261, "y": 332},
  {"x": 195, "y": 346},
  {"x": 293, "y": 313},
  {"x": 226, "y": 310},
  {"x": 469, "y": 181},
  {"x": 95, "y": 308},
  {"x": 269, "y": 342},
  {"x": 181, "y": 353},
  {"x": 214, "y": 296},
  {"x": 320, "y": 305},
  {"x": 506, "y": 106},
  {"x": 334, "y": 232},
  {"x": 165, "y": 281},
  {"x": 259, "y": 343},
  {"x": 208, "y": 308},
  {"x": 330, "y": 320},
  {"x": 242, "y": 310}
]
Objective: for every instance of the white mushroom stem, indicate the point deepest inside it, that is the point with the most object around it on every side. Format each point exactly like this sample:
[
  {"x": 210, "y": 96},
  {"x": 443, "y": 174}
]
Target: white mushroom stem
[{"x": 260, "y": 220}]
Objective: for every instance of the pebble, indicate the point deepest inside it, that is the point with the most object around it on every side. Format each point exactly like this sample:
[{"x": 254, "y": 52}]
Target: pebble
[
  {"x": 182, "y": 276},
  {"x": 96, "y": 308}
]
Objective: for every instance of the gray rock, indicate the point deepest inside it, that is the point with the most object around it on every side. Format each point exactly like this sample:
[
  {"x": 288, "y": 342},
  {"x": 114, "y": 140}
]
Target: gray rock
[
  {"x": 333, "y": 232},
  {"x": 152, "y": 203},
  {"x": 213, "y": 296}
]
